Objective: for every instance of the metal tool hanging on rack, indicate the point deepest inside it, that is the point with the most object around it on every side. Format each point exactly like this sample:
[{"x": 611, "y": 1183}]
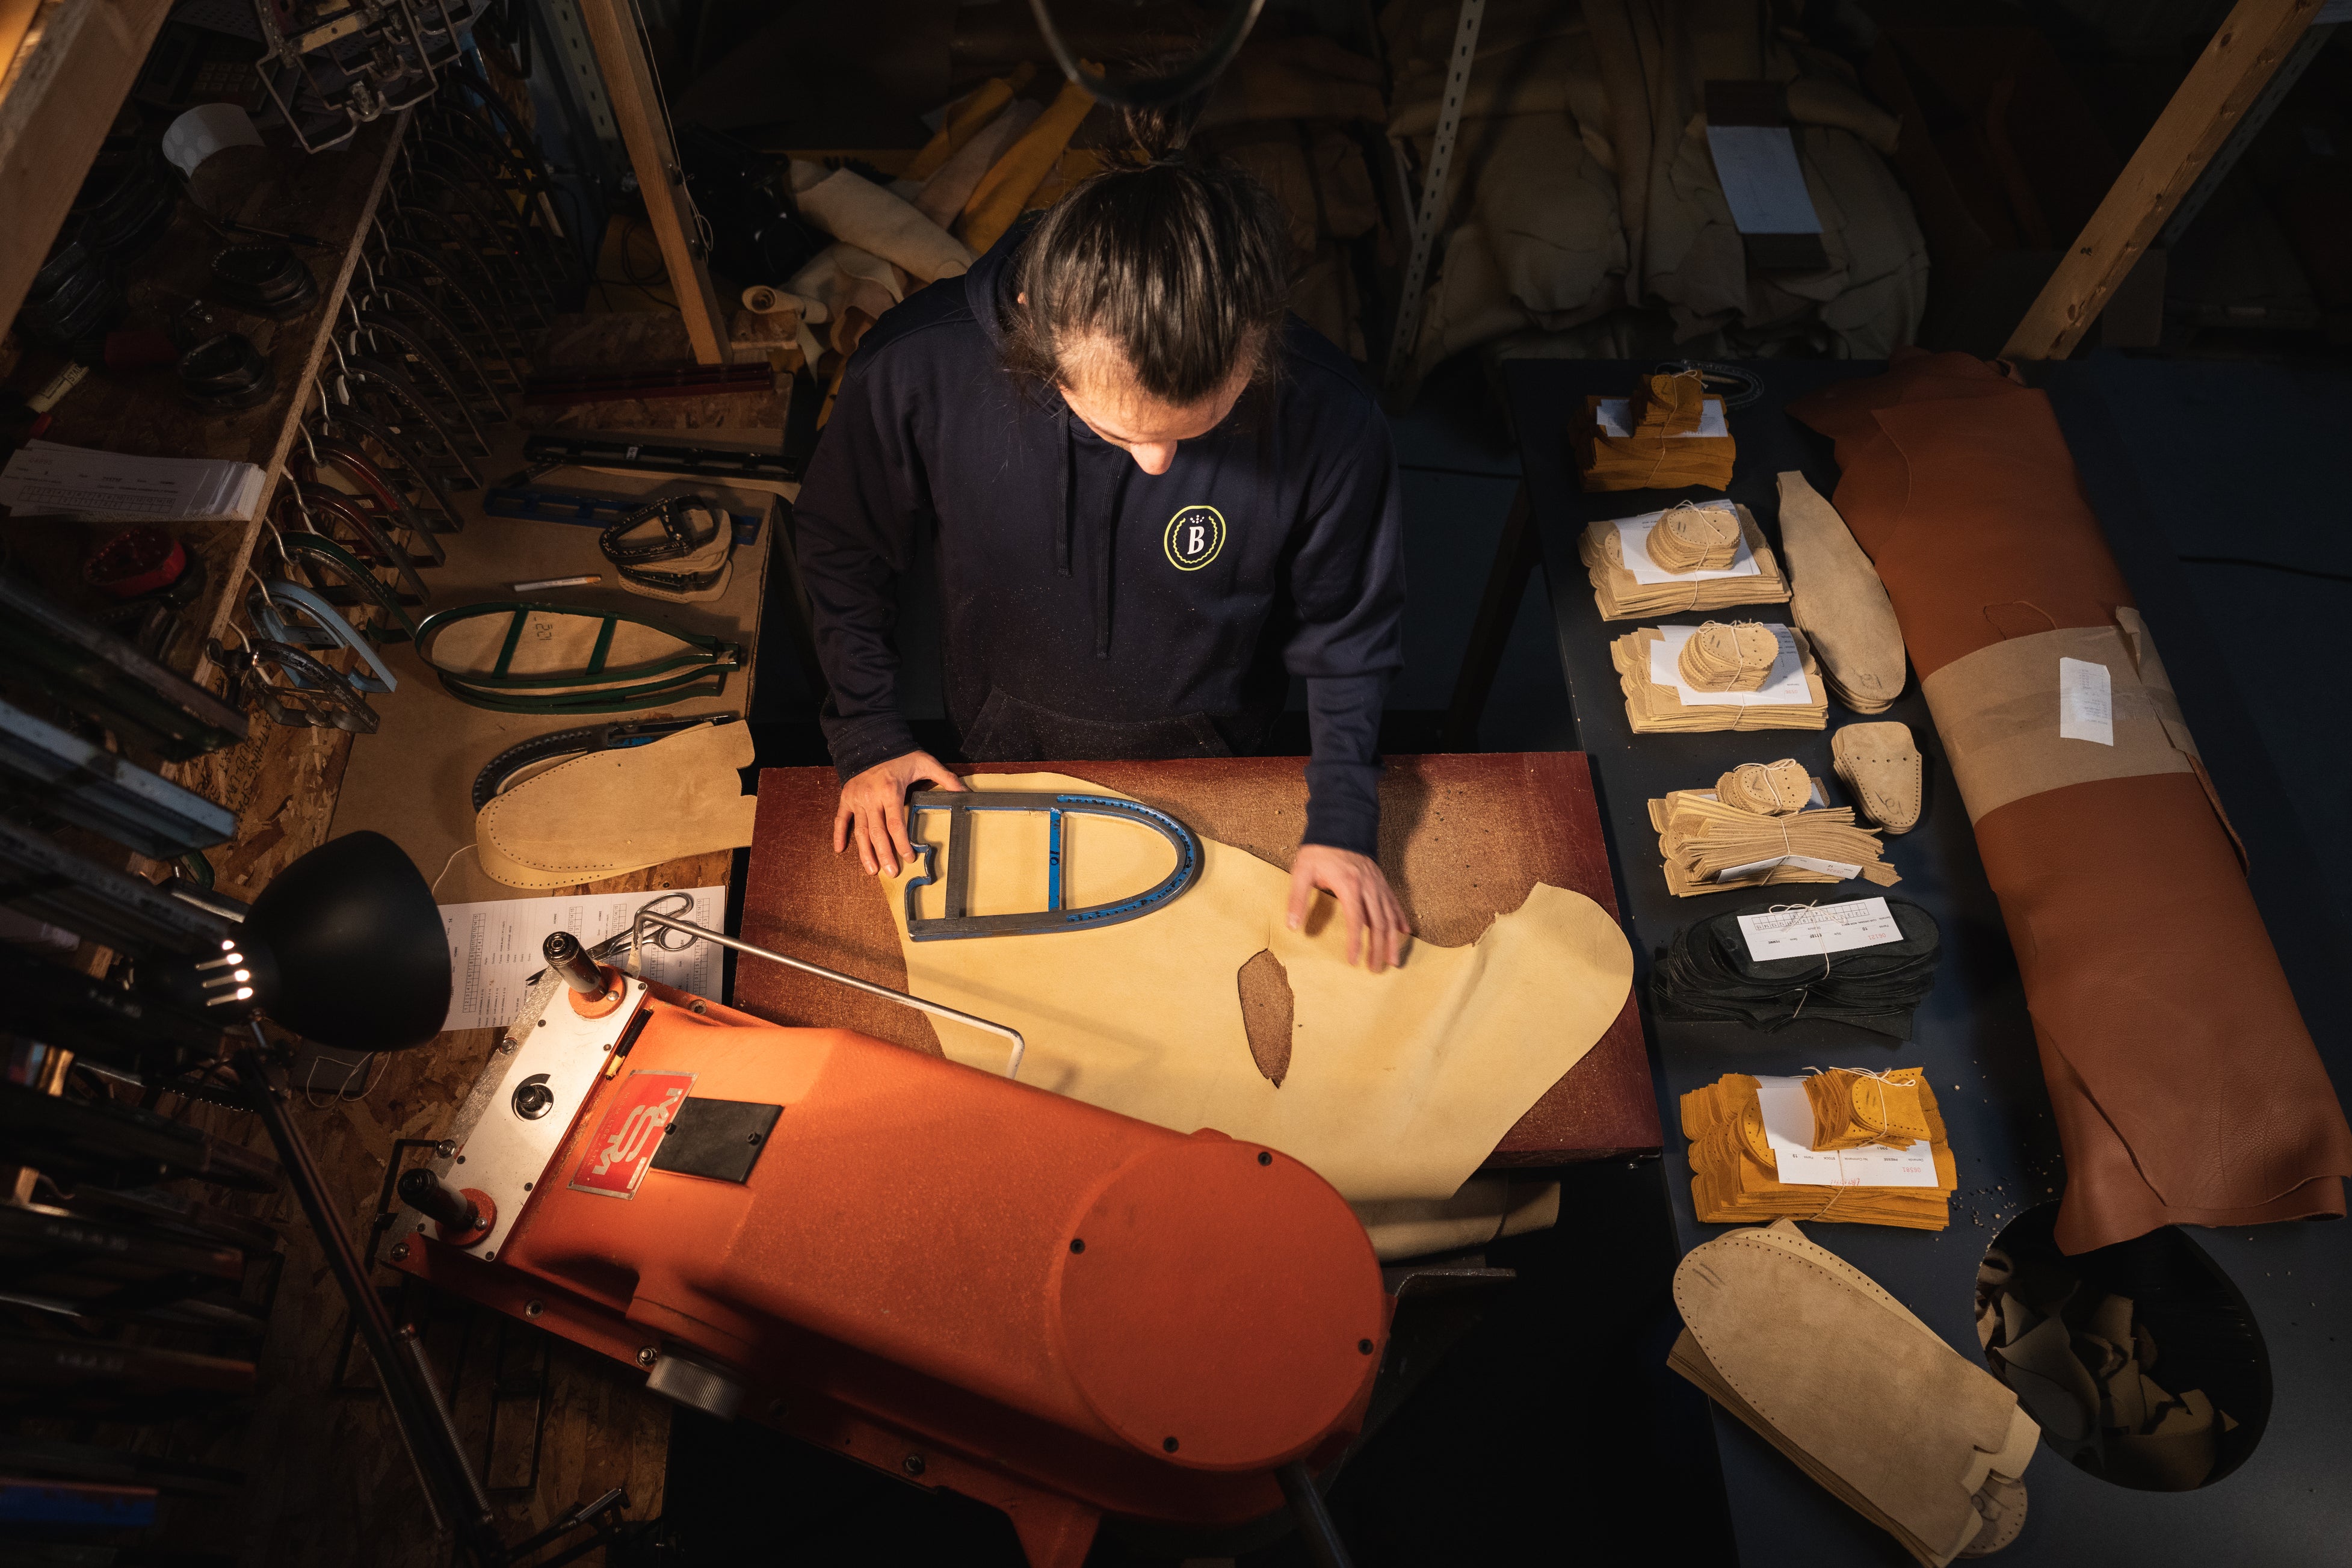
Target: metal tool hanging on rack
[
  {"x": 329, "y": 69},
  {"x": 954, "y": 922}
]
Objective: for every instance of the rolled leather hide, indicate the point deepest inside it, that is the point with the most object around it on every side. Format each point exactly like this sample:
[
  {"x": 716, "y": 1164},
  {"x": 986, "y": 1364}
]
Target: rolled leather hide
[{"x": 2185, "y": 1086}]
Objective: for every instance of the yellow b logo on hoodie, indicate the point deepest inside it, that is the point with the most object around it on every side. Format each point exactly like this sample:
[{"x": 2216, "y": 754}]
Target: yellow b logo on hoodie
[{"x": 1194, "y": 536}]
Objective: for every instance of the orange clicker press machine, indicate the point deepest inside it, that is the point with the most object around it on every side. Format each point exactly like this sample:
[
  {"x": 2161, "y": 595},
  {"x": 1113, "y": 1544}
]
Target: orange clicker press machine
[{"x": 939, "y": 1271}]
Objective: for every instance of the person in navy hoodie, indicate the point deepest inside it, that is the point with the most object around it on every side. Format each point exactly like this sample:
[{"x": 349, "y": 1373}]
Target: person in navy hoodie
[{"x": 1158, "y": 497}]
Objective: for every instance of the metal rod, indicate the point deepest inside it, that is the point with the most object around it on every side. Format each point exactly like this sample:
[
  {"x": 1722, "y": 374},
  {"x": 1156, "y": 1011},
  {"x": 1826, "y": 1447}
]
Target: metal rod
[
  {"x": 449, "y": 1482},
  {"x": 1011, "y": 1066},
  {"x": 1323, "y": 1542}
]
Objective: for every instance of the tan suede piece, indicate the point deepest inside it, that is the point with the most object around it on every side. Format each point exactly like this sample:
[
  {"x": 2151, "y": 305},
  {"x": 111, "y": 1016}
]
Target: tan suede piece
[
  {"x": 1821, "y": 1362},
  {"x": 611, "y": 812},
  {"x": 1835, "y": 595},
  {"x": 1880, "y": 762}
]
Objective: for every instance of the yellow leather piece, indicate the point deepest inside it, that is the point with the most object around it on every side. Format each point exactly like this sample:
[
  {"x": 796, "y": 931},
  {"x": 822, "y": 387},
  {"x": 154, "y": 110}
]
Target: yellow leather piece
[
  {"x": 623, "y": 810},
  {"x": 1399, "y": 1084}
]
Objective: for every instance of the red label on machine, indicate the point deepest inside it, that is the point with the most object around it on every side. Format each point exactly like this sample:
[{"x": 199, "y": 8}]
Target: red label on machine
[{"x": 633, "y": 1124}]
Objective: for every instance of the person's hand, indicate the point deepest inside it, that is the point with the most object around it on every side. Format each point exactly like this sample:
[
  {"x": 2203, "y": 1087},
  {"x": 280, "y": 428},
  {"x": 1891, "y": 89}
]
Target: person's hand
[
  {"x": 873, "y": 810},
  {"x": 1376, "y": 922}
]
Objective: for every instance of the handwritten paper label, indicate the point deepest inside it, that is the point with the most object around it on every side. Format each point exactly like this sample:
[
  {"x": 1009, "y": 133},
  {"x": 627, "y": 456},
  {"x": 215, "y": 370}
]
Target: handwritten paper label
[
  {"x": 1819, "y": 930},
  {"x": 2086, "y": 702},
  {"x": 1788, "y": 1131}
]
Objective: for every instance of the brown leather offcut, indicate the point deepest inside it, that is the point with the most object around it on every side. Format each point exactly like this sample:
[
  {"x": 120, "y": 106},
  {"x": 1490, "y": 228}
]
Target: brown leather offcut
[{"x": 2184, "y": 1083}]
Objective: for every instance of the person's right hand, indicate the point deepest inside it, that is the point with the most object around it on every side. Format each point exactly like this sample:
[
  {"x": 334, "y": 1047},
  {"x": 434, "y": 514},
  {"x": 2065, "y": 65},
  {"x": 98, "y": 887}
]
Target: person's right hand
[{"x": 873, "y": 810}]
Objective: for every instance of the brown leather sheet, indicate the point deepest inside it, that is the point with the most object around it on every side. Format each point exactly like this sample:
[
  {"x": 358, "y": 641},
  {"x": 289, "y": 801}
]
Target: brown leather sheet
[
  {"x": 2184, "y": 1083},
  {"x": 1462, "y": 838}
]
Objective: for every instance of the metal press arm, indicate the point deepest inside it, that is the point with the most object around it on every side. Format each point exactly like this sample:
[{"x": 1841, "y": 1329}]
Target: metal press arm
[{"x": 649, "y": 916}]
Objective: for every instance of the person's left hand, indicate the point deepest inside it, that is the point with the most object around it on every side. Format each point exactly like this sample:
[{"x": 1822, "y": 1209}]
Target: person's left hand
[{"x": 1375, "y": 921}]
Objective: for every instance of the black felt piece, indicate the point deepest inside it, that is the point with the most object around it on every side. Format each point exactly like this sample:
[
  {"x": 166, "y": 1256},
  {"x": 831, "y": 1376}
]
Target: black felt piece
[
  {"x": 1707, "y": 972},
  {"x": 720, "y": 1139}
]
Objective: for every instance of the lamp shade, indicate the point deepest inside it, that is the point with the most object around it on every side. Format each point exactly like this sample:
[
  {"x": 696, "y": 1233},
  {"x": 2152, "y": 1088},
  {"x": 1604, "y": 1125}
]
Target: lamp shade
[{"x": 348, "y": 948}]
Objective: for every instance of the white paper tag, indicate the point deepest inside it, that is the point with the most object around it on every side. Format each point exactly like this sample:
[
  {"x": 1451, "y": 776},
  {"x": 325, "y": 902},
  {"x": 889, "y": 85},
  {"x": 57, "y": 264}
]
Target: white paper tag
[
  {"x": 74, "y": 481},
  {"x": 1762, "y": 182},
  {"x": 1788, "y": 1131},
  {"x": 1783, "y": 686},
  {"x": 1837, "y": 869},
  {"x": 1633, "y": 550},
  {"x": 1615, "y": 418},
  {"x": 2087, "y": 701},
  {"x": 1821, "y": 929},
  {"x": 494, "y": 947}
]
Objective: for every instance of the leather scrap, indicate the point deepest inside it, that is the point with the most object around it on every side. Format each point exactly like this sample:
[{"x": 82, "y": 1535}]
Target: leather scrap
[{"x": 612, "y": 812}]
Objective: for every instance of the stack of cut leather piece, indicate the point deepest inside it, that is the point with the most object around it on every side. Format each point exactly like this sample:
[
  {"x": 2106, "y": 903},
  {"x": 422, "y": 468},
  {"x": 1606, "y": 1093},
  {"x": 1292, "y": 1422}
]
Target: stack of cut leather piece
[
  {"x": 1823, "y": 1363},
  {"x": 1629, "y": 581},
  {"x": 1659, "y": 701},
  {"x": 2184, "y": 1084},
  {"x": 1854, "y": 1109},
  {"x": 1736, "y": 1173},
  {"x": 1714, "y": 848},
  {"x": 1669, "y": 434},
  {"x": 1707, "y": 974},
  {"x": 1770, "y": 789}
]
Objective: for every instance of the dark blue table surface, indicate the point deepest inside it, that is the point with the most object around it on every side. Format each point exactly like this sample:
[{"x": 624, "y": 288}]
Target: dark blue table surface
[{"x": 2291, "y": 1502}]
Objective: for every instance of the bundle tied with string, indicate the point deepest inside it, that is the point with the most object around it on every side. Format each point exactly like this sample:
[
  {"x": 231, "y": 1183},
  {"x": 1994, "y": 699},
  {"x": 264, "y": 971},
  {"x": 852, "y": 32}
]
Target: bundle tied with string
[
  {"x": 1660, "y": 698},
  {"x": 1736, "y": 1175},
  {"x": 1708, "y": 973},
  {"x": 1669, "y": 434},
  {"x": 1696, "y": 556},
  {"x": 1856, "y": 1108},
  {"x": 1728, "y": 656},
  {"x": 1710, "y": 846}
]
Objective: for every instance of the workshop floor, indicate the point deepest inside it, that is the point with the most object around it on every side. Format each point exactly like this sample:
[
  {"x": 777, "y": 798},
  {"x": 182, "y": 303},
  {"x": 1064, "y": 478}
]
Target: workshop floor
[{"x": 1553, "y": 1428}]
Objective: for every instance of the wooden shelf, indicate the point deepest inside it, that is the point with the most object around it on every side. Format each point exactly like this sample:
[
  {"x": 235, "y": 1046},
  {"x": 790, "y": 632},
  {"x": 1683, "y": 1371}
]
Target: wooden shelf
[
  {"x": 330, "y": 197},
  {"x": 60, "y": 86}
]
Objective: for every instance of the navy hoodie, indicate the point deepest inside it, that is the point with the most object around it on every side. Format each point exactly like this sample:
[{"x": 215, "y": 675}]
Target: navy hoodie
[{"x": 1093, "y": 610}]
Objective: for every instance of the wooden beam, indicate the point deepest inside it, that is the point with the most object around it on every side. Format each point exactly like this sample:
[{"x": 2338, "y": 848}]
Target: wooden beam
[
  {"x": 661, "y": 178},
  {"x": 59, "y": 89},
  {"x": 2224, "y": 82}
]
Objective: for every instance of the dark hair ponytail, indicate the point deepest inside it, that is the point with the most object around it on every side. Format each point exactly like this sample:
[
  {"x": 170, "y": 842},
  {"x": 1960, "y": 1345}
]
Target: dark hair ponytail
[{"x": 1180, "y": 263}]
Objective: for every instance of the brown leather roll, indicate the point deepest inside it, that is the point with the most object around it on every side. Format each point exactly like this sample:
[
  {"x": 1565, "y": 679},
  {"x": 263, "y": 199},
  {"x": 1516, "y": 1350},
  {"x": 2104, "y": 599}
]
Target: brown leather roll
[{"x": 2184, "y": 1083}]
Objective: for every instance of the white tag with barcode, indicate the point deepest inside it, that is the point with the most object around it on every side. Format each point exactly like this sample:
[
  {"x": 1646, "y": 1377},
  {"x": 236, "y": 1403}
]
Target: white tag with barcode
[
  {"x": 2087, "y": 701},
  {"x": 1819, "y": 930}
]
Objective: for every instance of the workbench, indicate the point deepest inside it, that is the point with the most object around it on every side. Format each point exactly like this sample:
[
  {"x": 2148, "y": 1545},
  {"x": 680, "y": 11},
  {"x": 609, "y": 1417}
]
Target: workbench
[
  {"x": 2286, "y": 1503},
  {"x": 1462, "y": 839}
]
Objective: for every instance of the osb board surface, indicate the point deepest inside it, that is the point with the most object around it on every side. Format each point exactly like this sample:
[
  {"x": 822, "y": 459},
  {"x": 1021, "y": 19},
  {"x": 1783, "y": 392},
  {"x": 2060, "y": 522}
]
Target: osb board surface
[
  {"x": 1462, "y": 838},
  {"x": 413, "y": 779}
]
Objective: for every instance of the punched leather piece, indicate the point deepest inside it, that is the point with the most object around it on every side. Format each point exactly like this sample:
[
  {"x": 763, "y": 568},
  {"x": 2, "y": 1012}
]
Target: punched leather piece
[
  {"x": 616, "y": 810},
  {"x": 1881, "y": 764}
]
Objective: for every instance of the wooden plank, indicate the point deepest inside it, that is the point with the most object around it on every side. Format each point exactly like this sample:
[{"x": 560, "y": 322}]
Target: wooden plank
[
  {"x": 70, "y": 73},
  {"x": 2220, "y": 87},
  {"x": 644, "y": 121}
]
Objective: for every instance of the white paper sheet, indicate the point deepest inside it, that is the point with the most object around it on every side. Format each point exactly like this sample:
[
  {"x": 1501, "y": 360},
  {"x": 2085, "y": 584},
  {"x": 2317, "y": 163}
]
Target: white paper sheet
[
  {"x": 1788, "y": 1130},
  {"x": 494, "y": 947},
  {"x": 1615, "y": 418},
  {"x": 1633, "y": 549},
  {"x": 1838, "y": 868},
  {"x": 46, "y": 479},
  {"x": 1784, "y": 684},
  {"x": 2086, "y": 702},
  {"x": 1762, "y": 182},
  {"x": 1819, "y": 930}
]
